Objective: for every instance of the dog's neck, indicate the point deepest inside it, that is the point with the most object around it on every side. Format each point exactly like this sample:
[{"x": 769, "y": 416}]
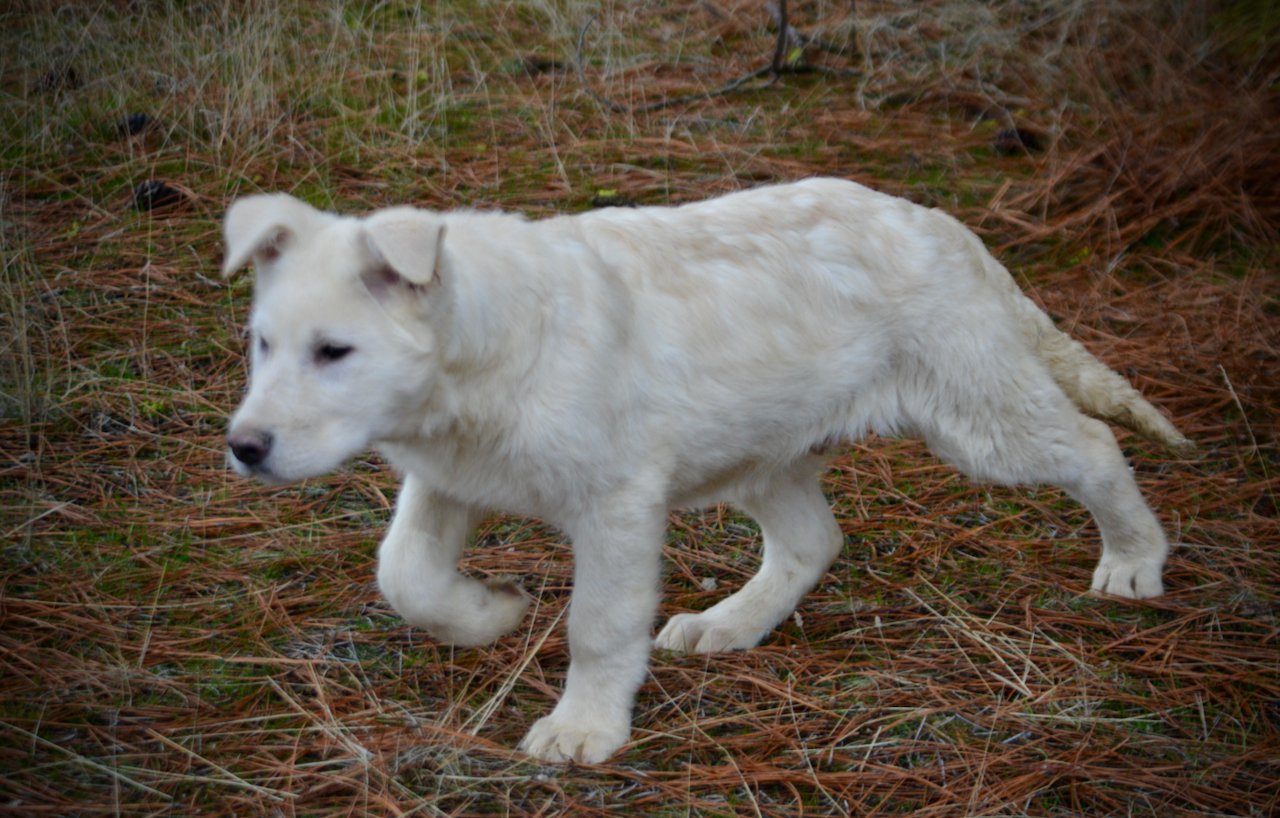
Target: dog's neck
[{"x": 513, "y": 336}]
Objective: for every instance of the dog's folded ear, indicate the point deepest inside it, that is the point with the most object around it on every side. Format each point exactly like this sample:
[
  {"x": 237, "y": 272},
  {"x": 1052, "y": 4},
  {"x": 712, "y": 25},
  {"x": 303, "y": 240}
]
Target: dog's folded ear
[
  {"x": 262, "y": 227},
  {"x": 409, "y": 241}
]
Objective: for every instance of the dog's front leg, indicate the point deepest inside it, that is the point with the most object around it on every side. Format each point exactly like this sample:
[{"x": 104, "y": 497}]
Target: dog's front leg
[
  {"x": 417, "y": 572},
  {"x": 617, "y": 556}
]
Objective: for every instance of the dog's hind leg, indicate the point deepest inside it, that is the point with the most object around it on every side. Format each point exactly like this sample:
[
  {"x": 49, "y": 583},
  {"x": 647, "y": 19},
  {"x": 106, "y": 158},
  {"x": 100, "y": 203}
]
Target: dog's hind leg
[
  {"x": 1134, "y": 547},
  {"x": 801, "y": 539},
  {"x": 1014, "y": 425},
  {"x": 417, "y": 572}
]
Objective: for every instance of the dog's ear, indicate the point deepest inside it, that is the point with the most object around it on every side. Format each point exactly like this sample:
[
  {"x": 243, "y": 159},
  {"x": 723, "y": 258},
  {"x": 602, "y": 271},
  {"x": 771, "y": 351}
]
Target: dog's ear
[
  {"x": 408, "y": 243},
  {"x": 262, "y": 227}
]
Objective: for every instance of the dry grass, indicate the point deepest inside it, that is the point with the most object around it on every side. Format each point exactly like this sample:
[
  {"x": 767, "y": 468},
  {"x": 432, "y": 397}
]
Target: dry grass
[{"x": 174, "y": 640}]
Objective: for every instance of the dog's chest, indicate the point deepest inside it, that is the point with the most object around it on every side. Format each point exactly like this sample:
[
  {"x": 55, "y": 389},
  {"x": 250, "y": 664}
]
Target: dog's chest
[{"x": 488, "y": 478}]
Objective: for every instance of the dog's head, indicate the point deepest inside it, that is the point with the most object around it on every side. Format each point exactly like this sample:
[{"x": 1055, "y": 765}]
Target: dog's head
[{"x": 343, "y": 332}]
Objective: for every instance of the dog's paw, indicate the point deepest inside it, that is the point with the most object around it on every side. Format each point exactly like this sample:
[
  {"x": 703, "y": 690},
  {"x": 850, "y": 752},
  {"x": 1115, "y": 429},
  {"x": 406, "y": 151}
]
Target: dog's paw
[
  {"x": 1132, "y": 579},
  {"x": 559, "y": 738},
  {"x": 491, "y": 610},
  {"x": 705, "y": 633}
]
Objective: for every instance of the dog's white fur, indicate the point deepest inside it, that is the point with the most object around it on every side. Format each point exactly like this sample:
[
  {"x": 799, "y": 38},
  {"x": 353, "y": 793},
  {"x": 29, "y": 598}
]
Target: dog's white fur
[{"x": 598, "y": 370}]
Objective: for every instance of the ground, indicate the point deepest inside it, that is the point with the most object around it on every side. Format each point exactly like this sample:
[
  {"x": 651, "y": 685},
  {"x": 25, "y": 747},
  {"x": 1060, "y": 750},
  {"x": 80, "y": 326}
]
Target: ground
[{"x": 176, "y": 640}]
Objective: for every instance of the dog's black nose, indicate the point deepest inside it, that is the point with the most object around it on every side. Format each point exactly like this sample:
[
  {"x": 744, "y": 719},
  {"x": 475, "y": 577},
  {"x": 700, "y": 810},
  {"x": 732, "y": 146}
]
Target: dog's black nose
[{"x": 250, "y": 448}]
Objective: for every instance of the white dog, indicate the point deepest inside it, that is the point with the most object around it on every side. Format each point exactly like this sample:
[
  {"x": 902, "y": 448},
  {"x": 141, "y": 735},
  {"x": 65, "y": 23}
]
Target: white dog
[{"x": 598, "y": 370}]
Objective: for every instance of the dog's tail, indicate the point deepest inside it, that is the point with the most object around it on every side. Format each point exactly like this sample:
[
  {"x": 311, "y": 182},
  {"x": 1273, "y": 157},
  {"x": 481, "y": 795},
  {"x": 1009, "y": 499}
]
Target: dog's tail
[{"x": 1092, "y": 385}]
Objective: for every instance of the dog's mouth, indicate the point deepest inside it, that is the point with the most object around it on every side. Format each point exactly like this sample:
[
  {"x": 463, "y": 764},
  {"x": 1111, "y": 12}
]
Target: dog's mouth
[
  {"x": 262, "y": 474},
  {"x": 258, "y": 471}
]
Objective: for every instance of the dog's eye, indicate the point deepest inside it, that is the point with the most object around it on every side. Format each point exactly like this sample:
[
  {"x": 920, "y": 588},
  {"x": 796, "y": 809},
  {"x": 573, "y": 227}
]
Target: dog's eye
[
  {"x": 328, "y": 353},
  {"x": 263, "y": 346}
]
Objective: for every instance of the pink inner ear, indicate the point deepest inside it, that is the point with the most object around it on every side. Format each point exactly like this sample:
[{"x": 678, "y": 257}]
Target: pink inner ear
[
  {"x": 271, "y": 248},
  {"x": 381, "y": 279},
  {"x": 387, "y": 275}
]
